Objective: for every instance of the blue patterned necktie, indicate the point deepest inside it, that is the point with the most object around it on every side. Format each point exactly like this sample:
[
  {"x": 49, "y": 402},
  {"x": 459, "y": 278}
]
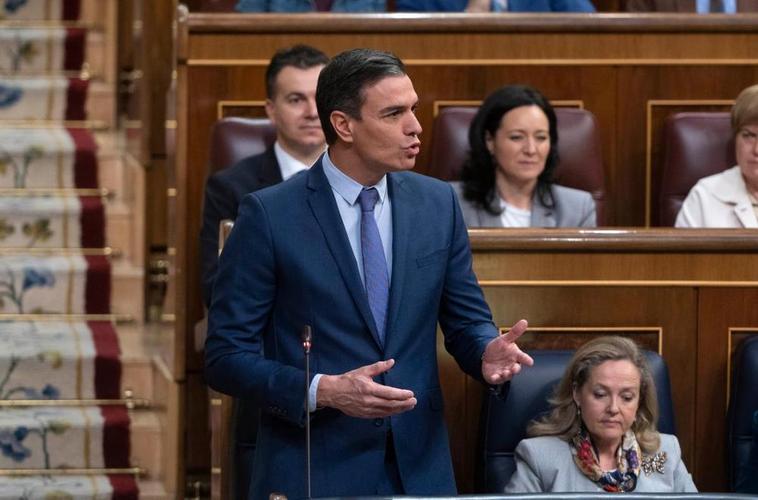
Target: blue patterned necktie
[{"x": 374, "y": 262}]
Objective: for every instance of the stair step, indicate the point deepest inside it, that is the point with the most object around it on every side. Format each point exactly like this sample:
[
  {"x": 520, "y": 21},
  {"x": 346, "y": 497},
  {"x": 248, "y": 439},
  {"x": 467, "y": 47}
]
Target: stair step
[
  {"x": 43, "y": 98},
  {"x": 120, "y": 228},
  {"x": 146, "y": 451},
  {"x": 96, "y": 487},
  {"x": 70, "y": 284},
  {"x": 152, "y": 490},
  {"x": 64, "y": 437},
  {"x": 54, "y": 157},
  {"x": 101, "y": 104},
  {"x": 52, "y": 222},
  {"x": 128, "y": 289},
  {"x": 136, "y": 359},
  {"x": 41, "y": 50},
  {"x": 59, "y": 360}
]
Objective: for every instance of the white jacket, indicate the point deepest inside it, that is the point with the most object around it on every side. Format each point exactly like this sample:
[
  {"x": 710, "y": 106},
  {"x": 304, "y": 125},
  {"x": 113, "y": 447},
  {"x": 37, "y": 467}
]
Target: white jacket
[{"x": 719, "y": 200}]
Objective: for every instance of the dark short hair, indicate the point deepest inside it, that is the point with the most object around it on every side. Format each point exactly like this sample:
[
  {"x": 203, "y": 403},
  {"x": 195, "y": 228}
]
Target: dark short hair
[
  {"x": 478, "y": 174},
  {"x": 298, "y": 56},
  {"x": 342, "y": 82}
]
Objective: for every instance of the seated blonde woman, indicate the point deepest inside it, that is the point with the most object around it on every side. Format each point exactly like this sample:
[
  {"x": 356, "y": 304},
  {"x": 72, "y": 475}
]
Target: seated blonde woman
[
  {"x": 600, "y": 434},
  {"x": 730, "y": 198}
]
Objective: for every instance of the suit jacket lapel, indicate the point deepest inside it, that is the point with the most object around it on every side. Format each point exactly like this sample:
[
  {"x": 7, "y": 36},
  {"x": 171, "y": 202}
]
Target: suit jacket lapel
[
  {"x": 542, "y": 216},
  {"x": 486, "y": 219},
  {"x": 402, "y": 205},
  {"x": 321, "y": 201}
]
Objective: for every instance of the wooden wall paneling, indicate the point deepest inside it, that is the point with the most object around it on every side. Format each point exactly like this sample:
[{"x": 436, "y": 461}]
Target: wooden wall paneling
[
  {"x": 211, "y": 86},
  {"x": 197, "y": 433},
  {"x": 170, "y": 405},
  {"x": 722, "y": 313},
  {"x": 186, "y": 297},
  {"x": 455, "y": 389}
]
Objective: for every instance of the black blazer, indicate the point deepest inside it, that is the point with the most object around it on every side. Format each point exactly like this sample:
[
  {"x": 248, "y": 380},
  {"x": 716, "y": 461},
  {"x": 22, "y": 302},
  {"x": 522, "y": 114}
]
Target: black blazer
[{"x": 223, "y": 192}]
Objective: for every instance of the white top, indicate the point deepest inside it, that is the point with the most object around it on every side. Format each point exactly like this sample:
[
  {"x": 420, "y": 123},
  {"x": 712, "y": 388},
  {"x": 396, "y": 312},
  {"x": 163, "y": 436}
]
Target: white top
[
  {"x": 514, "y": 216},
  {"x": 720, "y": 200}
]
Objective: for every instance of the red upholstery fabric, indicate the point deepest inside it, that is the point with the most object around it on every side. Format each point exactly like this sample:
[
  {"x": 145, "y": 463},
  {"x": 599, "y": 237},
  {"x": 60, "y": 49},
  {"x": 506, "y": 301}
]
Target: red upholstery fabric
[
  {"x": 581, "y": 162},
  {"x": 697, "y": 145},
  {"x": 235, "y": 138}
]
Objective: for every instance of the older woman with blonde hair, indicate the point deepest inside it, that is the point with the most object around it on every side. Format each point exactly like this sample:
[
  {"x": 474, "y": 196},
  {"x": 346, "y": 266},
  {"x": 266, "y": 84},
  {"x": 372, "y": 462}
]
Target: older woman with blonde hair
[
  {"x": 730, "y": 198},
  {"x": 600, "y": 434}
]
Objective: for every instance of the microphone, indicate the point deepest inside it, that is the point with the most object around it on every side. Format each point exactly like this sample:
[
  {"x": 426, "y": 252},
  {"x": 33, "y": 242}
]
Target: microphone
[{"x": 307, "y": 339}]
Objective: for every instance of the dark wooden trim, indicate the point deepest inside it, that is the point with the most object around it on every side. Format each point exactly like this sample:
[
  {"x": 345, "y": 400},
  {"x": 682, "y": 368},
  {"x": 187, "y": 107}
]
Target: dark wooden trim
[
  {"x": 659, "y": 240},
  {"x": 470, "y": 23}
]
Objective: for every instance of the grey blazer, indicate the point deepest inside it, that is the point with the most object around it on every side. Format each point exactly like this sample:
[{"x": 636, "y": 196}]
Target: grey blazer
[
  {"x": 545, "y": 465},
  {"x": 573, "y": 208}
]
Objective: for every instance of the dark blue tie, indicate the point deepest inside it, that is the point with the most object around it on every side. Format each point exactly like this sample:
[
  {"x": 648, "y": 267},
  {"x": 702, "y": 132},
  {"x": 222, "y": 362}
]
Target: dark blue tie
[{"x": 374, "y": 262}]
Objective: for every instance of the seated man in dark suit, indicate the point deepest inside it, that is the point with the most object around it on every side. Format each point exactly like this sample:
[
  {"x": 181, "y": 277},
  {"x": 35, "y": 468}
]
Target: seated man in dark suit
[{"x": 291, "y": 80}]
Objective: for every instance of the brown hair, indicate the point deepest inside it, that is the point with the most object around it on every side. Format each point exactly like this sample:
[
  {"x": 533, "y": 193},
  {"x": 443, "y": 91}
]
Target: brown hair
[
  {"x": 745, "y": 109},
  {"x": 563, "y": 420}
]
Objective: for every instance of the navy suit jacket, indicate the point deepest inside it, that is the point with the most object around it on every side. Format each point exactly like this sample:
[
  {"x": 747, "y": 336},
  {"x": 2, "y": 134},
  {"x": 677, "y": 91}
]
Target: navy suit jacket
[
  {"x": 223, "y": 192},
  {"x": 288, "y": 263}
]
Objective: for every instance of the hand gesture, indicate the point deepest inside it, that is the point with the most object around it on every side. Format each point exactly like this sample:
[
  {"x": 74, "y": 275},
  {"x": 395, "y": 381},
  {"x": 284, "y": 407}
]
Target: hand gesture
[
  {"x": 502, "y": 357},
  {"x": 356, "y": 394}
]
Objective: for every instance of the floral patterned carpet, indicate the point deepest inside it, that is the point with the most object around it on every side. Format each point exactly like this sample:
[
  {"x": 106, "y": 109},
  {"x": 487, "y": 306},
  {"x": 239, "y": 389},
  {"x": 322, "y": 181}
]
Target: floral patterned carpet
[{"x": 58, "y": 347}]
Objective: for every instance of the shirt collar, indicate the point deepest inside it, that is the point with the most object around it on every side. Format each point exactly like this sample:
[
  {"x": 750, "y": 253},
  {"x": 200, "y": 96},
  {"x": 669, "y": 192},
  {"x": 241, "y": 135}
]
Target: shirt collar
[
  {"x": 288, "y": 164},
  {"x": 346, "y": 186}
]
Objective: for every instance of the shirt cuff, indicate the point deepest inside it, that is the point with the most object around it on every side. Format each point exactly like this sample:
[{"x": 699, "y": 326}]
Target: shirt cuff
[{"x": 312, "y": 390}]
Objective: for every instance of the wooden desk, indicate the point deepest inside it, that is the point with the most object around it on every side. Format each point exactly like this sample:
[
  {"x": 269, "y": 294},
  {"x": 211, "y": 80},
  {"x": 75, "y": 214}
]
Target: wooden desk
[{"x": 689, "y": 294}]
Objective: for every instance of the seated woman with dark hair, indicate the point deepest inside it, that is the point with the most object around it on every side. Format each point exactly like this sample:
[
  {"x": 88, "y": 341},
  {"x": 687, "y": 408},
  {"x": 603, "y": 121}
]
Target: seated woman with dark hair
[
  {"x": 507, "y": 180},
  {"x": 600, "y": 434}
]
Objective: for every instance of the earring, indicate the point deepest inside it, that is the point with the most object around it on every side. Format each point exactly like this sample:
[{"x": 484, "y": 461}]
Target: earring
[{"x": 578, "y": 411}]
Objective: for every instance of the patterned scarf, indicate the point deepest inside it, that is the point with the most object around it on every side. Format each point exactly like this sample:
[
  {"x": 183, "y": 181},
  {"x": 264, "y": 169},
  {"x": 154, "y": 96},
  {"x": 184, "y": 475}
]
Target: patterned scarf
[{"x": 621, "y": 480}]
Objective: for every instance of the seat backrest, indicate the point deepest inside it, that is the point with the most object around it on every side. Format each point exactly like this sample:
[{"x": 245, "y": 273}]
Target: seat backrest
[
  {"x": 743, "y": 404},
  {"x": 234, "y": 138},
  {"x": 581, "y": 161},
  {"x": 696, "y": 145},
  {"x": 503, "y": 422}
]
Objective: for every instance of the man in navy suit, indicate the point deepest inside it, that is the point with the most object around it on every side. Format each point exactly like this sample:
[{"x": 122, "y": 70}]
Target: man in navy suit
[
  {"x": 291, "y": 79},
  {"x": 372, "y": 279}
]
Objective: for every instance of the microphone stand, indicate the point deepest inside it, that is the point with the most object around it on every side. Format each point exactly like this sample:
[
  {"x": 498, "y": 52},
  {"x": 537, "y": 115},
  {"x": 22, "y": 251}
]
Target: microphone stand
[{"x": 307, "y": 338}]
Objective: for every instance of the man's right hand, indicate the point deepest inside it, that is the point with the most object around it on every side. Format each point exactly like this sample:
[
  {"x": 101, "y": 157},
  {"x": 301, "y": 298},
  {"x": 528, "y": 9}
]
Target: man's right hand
[{"x": 356, "y": 394}]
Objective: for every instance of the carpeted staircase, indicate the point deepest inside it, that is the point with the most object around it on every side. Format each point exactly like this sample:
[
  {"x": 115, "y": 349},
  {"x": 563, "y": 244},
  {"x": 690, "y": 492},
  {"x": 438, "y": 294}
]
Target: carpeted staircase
[{"x": 75, "y": 379}]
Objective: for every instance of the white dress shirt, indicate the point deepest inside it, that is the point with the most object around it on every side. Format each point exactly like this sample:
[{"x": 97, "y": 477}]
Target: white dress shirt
[{"x": 288, "y": 164}]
